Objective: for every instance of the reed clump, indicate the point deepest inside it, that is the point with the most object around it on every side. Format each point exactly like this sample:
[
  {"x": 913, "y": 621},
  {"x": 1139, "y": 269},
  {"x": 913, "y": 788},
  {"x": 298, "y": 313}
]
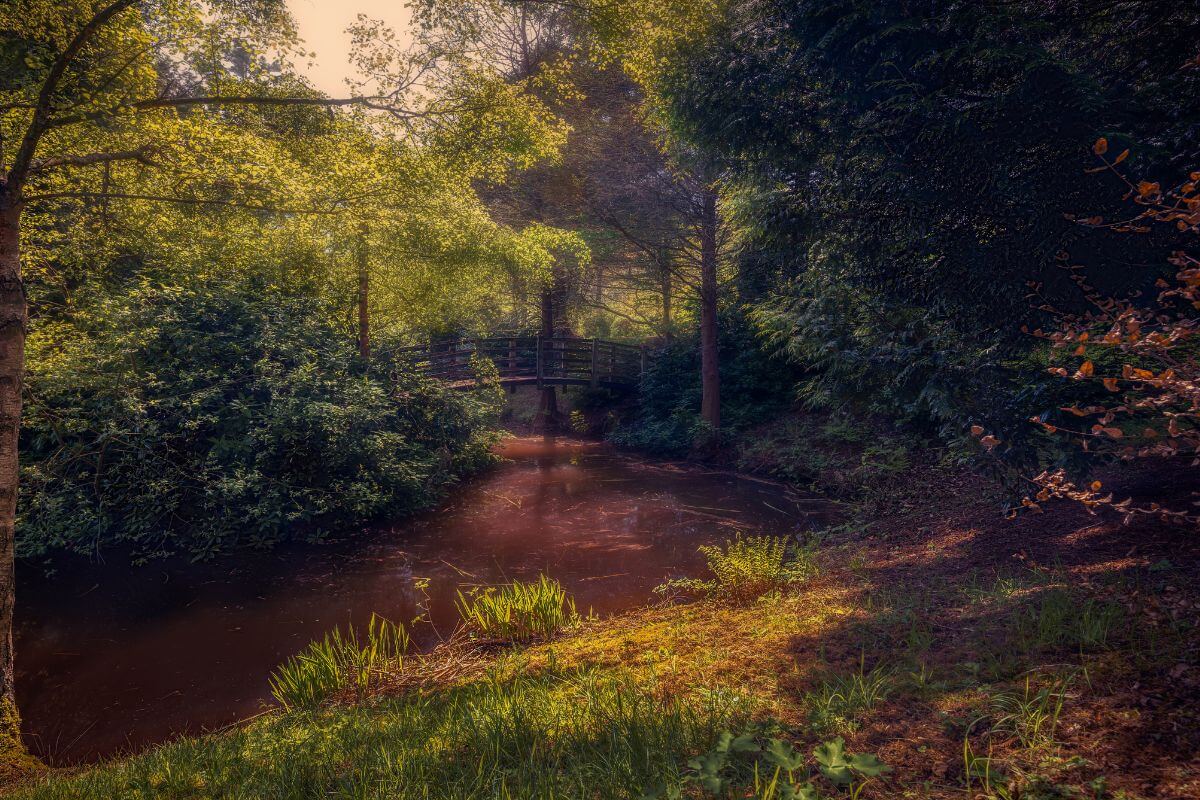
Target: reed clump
[
  {"x": 518, "y": 611},
  {"x": 338, "y": 660}
]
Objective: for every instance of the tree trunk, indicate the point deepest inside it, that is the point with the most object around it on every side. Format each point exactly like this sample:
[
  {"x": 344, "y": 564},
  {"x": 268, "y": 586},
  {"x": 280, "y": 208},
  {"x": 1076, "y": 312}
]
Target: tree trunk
[
  {"x": 364, "y": 287},
  {"x": 710, "y": 377},
  {"x": 12, "y": 370},
  {"x": 547, "y": 416},
  {"x": 665, "y": 286}
]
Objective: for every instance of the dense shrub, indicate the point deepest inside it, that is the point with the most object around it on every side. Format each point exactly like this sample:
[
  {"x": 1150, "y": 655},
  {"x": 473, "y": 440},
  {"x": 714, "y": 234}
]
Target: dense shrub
[
  {"x": 905, "y": 172},
  {"x": 195, "y": 420},
  {"x": 754, "y": 387}
]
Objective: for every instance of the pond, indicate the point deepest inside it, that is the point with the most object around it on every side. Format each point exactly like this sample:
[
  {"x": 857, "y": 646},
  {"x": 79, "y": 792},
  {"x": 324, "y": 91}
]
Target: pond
[{"x": 113, "y": 658}]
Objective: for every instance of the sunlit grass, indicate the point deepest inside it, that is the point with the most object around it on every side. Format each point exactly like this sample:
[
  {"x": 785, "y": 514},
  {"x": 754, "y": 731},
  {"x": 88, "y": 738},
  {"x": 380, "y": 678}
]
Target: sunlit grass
[{"x": 568, "y": 733}]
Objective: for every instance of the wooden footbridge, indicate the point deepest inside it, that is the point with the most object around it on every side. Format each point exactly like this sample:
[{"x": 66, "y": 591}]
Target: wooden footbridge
[{"x": 532, "y": 360}]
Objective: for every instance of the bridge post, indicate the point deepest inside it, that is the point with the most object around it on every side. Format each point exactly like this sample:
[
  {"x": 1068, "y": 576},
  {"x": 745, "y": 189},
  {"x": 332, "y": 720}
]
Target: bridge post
[
  {"x": 595, "y": 376},
  {"x": 540, "y": 362}
]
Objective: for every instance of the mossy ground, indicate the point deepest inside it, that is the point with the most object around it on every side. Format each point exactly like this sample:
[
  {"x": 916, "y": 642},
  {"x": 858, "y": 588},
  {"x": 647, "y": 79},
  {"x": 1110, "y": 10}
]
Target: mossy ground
[{"x": 1054, "y": 656}]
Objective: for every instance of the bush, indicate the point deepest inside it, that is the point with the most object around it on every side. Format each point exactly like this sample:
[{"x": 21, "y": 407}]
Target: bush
[
  {"x": 517, "y": 612},
  {"x": 1141, "y": 361},
  {"x": 196, "y": 420}
]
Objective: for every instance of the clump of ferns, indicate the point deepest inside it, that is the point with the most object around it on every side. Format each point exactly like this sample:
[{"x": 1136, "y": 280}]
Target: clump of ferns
[{"x": 748, "y": 567}]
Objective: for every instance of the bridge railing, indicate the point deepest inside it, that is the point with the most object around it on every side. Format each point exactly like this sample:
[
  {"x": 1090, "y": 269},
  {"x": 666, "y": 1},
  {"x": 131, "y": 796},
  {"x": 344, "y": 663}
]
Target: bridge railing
[{"x": 532, "y": 359}]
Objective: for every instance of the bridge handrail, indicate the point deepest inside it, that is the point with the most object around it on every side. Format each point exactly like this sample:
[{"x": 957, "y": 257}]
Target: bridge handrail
[{"x": 557, "y": 359}]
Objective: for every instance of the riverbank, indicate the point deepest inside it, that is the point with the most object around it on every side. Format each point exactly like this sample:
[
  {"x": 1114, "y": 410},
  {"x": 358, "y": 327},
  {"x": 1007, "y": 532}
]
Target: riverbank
[
  {"x": 1050, "y": 656},
  {"x": 115, "y": 658}
]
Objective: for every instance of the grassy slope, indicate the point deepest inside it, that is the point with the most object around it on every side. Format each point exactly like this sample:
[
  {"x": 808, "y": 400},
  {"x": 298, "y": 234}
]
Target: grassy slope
[{"x": 1060, "y": 647}]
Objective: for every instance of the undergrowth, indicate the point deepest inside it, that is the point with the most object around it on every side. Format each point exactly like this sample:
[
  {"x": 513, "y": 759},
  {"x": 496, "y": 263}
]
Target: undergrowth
[
  {"x": 838, "y": 701},
  {"x": 762, "y": 764}
]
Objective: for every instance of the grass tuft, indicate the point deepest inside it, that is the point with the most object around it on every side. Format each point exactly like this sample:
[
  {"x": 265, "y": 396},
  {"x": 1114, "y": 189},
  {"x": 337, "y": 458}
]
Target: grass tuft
[
  {"x": 517, "y": 612},
  {"x": 1061, "y": 619},
  {"x": 338, "y": 660},
  {"x": 1031, "y": 717},
  {"x": 839, "y": 701}
]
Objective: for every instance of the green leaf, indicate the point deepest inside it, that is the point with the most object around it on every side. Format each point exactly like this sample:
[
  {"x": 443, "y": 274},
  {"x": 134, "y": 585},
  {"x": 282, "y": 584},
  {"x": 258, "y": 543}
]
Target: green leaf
[
  {"x": 802, "y": 791},
  {"x": 831, "y": 760},
  {"x": 868, "y": 765},
  {"x": 781, "y": 754}
]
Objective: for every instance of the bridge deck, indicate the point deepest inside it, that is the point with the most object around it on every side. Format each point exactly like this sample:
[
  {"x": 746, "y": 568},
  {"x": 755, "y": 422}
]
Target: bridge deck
[{"x": 531, "y": 360}]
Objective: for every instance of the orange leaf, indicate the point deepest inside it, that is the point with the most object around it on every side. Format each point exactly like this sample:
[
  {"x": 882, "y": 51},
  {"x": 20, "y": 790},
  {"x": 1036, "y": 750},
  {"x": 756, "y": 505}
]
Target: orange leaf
[
  {"x": 1111, "y": 385},
  {"x": 1124, "y": 155},
  {"x": 976, "y": 430},
  {"x": 1100, "y": 147}
]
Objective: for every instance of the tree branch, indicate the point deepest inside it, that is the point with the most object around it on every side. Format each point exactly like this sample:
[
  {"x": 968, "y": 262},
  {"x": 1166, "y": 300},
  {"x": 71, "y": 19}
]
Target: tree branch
[
  {"x": 41, "y": 112},
  {"x": 141, "y": 155},
  {"x": 194, "y": 201},
  {"x": 373, "y": 103}
]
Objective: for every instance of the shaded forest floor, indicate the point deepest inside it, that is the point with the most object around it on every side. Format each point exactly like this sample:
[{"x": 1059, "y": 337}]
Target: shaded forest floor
[{"x": 1050, "y": 656}]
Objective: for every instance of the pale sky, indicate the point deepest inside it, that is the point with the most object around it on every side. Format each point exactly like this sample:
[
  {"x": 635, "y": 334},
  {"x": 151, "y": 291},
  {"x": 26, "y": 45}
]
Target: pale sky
[{"x": 323, "y": 24}]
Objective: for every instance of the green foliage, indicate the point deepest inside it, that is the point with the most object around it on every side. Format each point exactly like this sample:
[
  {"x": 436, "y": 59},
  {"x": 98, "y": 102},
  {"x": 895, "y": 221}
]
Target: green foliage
[
  {"x": 192, "y": 420},
  {"x": 839, "y": 700},
  {"x": 770, "y": 767},
  {"x": 909, "y": 300},
  {"x": 753, "y": 388},
  {"x": 517, "y": 612},
  {"x": 748, "y": 567},
  {"x": 751, "y": 566},
  {"x": 559, "y": 734},
  {"x": 339, "y": 660}
]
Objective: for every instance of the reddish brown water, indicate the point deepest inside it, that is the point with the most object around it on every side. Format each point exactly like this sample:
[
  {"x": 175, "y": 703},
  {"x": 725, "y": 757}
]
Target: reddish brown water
[{"x": 112, "y": 658}]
